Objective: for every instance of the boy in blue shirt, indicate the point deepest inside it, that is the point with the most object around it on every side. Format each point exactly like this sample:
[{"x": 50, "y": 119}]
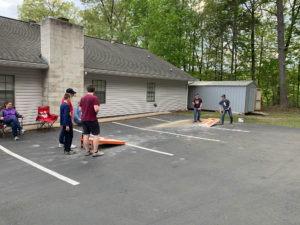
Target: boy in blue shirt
[
  {"x": 226, "y": 108},
  {"x": 66, "y": 123}
]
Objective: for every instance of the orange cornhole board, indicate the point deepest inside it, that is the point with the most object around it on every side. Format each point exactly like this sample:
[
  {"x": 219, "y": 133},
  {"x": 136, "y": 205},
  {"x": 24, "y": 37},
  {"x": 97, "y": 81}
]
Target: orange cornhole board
[
  {"x": 209, "y": 122},
  {"x": 103, "y": 140}
]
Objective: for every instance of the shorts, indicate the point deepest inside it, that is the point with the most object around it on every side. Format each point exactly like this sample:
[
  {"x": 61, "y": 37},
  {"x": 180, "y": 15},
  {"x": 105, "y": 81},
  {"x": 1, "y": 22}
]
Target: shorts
[{"x": 90, "y": 127}]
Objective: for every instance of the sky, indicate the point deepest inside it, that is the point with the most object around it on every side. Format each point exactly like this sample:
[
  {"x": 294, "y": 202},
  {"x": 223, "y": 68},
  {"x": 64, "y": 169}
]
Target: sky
[{"x": 8, "y": 8}]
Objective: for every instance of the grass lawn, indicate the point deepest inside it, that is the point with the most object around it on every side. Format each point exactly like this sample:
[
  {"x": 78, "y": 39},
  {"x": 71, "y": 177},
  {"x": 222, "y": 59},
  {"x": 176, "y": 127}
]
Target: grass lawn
[{"x": 277, "y": 117}]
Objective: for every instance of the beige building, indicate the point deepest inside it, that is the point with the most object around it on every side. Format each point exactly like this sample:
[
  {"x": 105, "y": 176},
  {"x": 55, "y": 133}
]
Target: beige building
[{"x": 39, "y": 62}]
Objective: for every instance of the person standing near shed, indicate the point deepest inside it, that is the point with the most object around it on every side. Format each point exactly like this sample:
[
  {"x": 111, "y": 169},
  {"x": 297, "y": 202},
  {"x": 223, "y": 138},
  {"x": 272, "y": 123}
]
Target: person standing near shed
[
  {"x": 225, "y": 103},
  {"x": 197, "y": 103},
  {"x": 89, "y": 106}
]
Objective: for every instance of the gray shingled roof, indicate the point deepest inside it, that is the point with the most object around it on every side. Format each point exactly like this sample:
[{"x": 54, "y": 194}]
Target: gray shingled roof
[
  {"x": 101, "y": 55},
  {"x": 240, "y": 83},
  {"x": 21, "y": 42}
]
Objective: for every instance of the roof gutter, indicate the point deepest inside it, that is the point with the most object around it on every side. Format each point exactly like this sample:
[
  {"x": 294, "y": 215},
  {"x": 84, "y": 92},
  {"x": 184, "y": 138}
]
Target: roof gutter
[
  {"x": 138, "y": 75},
  {"x": 28, "y": 65}
]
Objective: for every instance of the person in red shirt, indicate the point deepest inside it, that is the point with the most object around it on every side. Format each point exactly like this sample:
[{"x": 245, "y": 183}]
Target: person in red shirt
[
  {"x": 71, "y": 92},
  {"x": 89, "y": 106}
]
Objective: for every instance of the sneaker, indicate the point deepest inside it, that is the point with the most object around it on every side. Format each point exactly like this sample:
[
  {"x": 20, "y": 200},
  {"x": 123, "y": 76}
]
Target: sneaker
[
  {"x": 98, "y": 153},
  {"x": 71, "y": 152},
  {"x": 88, "y": 153},
  {"x": 60, "y": 145},
  {"x": 22, "y": 131},
  {"x": 73, "y": 146},
  {"x": 195, "y": 121},
  {"x": 17, "y": 138}
]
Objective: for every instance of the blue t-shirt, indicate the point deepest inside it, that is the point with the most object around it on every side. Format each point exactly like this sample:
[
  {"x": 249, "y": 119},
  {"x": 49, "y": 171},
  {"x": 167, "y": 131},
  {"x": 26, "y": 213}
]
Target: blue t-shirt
[
  {"x": 225, "y": 103},
  {"x": 65, "y": 115},
  {"x": 77, "y": 113}
]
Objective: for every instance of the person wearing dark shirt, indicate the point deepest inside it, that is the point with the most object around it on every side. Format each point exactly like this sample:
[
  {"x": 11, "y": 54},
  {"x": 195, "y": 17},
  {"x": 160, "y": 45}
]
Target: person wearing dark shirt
[
  {"x": 89, "y": 106},
  {"x": 66, "y": 123},
  {"x": 71, "y": 92},
  {"x": 197, "y": 103},
  {"x": 225, "y": 103}
]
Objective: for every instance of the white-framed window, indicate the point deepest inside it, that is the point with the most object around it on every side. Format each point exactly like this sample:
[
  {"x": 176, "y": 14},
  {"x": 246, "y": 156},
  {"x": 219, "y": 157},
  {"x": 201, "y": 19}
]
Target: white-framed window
[
  {"x": 100, "y": 92},
  {"x": 150, "y": 92},
  {"x": 7, "y": 89}
]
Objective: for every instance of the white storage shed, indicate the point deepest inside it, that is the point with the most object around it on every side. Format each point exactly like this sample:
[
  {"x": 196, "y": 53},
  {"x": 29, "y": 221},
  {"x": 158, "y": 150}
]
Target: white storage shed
[{"x": 244, "y": 96}]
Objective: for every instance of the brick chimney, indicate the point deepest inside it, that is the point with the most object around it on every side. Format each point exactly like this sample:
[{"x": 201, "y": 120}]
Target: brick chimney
[{"x": 62, "y": 45}]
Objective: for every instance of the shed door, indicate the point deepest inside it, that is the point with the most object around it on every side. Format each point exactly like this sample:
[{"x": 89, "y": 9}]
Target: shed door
[{"x": 258, "y": 94}]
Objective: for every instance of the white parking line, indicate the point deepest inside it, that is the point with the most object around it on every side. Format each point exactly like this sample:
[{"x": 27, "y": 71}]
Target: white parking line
[
  {"x": 42, "y": 168},
  {"x": 140, "y": 147},
  {"x": 150, "y": 150},
  {"x": 165, "y": 132},
  {"x": 168, "y": 121},
  {"x": 79, "y": 131},
  {"x": 234, "y": 130}
]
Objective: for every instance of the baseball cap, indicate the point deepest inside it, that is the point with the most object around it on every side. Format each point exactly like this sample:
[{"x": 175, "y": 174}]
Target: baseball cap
[
  {"x": 70, "y": 91},
  {"x": 223, "y": 95}
]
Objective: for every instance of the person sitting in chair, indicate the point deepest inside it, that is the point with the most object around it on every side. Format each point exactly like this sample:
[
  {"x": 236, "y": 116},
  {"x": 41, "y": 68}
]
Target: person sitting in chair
[{"x": 10, "y": 117}]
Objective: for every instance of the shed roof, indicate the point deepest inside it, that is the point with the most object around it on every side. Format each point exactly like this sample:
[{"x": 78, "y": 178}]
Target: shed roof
[
  {"x": 242, "y": 83},
  {"x": 20, "y": 42}
]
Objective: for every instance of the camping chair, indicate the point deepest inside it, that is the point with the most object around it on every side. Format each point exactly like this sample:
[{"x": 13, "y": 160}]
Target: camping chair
[
  {"x": 44, "y": 118},
  {"x": 4, "y": 127}
]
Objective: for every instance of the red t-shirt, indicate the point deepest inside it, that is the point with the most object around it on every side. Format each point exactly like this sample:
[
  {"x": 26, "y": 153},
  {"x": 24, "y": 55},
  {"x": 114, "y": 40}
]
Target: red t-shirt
[
  {"x": 87, "y": 107},
  {"x": 71, "y": 107}
]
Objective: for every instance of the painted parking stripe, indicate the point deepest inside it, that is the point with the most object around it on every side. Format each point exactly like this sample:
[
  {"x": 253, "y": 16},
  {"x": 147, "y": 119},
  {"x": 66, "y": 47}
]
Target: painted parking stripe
[
  {"x": 42, "y": 168},
  {"x": 139, "y": 147},
  {"x": 150, "y": 150},
  {"x": 166, "y": 132},
  {"x": 234, "y": 130},
  {"x": 152, "y": 118}
]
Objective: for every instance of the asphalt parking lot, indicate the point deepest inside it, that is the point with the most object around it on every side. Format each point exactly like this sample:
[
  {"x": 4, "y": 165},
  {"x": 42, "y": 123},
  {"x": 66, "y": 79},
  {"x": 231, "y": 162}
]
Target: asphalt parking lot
[{"x": 173, "y": 172}]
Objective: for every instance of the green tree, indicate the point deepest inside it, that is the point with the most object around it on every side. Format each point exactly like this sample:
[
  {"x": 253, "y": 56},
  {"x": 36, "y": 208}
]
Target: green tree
[{"x": 40, "y": 9}]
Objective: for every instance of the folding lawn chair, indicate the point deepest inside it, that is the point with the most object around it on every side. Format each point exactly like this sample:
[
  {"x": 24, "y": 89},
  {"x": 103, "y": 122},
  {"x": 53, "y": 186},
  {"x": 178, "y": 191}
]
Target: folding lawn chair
[
  {"x": 44, "y": 118},
  {"x": 4, "y": 127}
]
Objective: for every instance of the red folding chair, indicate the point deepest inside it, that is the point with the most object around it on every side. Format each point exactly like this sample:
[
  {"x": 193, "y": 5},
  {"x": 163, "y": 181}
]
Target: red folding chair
[
  {"x": 44, "y": 118},
  {"x": 3, "y": 126}
]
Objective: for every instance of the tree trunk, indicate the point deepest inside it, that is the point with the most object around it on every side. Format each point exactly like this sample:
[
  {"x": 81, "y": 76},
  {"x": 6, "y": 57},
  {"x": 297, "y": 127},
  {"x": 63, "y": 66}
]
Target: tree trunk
[
  {"x": 298, "y": 84},
  {"x": 234, "y": 34},
  {"x": 252, "y": 41},
  {"x": 235, "y": 64},
  {"x": 202, "y": 51},
  {"x": 222, "y": 56},
  {"x": 260, "y": 59},
  {"x": 232, "y": 54},
  {"x": 281, "y": 54},
  {"x": 216, "y": 61},
  {"x": 194, "y": 50}
]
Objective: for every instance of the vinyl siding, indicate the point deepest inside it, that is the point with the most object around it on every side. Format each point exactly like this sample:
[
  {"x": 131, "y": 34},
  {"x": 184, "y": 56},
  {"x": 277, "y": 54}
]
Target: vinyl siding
[
  {"x": 28, "y": 91},
  {"x": 125, "y": 96}
]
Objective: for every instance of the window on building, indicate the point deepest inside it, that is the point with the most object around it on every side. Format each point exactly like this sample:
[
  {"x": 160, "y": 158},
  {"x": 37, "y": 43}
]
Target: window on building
[
  {"x": 150, "y": 92},
  {"x": 100, "y": 86},
  {"x": 6, "y": 89}
]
